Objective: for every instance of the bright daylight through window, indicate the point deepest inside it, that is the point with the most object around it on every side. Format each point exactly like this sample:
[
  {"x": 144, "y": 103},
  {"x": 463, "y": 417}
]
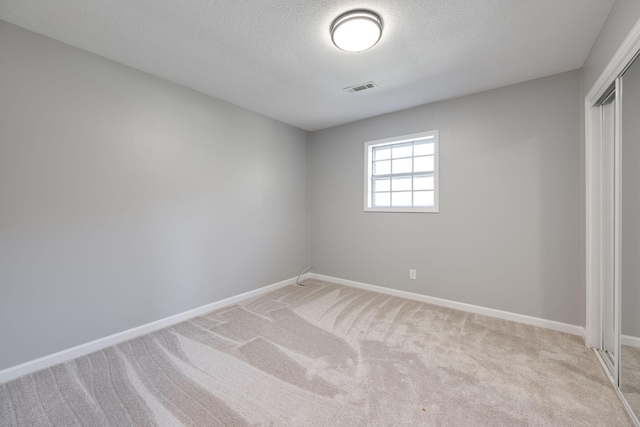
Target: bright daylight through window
[{"x": 401, "y": 173}]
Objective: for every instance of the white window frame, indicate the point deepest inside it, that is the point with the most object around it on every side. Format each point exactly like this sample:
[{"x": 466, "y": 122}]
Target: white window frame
[{"x": 368, "y": 172}]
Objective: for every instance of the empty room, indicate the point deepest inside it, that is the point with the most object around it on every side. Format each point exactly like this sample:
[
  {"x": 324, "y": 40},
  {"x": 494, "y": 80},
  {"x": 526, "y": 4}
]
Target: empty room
[{"x": 319, "y": 213}]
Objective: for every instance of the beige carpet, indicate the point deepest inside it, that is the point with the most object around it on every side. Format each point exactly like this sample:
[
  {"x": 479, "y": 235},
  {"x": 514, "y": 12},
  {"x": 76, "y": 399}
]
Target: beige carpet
[
  {"x": 630, "y": 376},
  {"x": 326, "y": 355}
]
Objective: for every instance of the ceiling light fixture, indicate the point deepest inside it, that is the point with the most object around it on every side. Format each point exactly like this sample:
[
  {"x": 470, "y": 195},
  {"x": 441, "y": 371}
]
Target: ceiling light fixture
[{"x": 356, "y": 30}]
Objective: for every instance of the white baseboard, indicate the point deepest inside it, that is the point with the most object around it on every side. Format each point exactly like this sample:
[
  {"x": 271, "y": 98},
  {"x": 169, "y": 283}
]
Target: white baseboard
[
  {"x": 630, "y": 341},
  {"x": 102, "y": 343},
  {"x": 13, "y": 372},
  {"x": 506, "y": 315}
]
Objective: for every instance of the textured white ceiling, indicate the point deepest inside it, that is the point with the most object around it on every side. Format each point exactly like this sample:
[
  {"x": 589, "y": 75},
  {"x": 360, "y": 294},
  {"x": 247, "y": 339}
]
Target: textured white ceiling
[{"x": 275, "y": 57}]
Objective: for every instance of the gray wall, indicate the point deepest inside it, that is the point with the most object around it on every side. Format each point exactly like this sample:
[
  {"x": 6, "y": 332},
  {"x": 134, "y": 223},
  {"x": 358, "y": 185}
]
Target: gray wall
[
  {"x": 508, "y": 232},
  {"x": 125, "y": 199},
  {"x": 621, "y": 19}
]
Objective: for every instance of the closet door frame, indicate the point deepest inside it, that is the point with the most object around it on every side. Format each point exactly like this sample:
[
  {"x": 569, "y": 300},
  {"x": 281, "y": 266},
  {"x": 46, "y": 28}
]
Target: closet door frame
[
  {"x": 594, "y": 226},
  {"x": 609, "y": 347},
  {"x": 593, "y": 180}
]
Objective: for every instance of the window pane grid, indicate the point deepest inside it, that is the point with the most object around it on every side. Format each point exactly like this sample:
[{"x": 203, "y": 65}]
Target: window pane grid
[{"x": 403, "y": 174}]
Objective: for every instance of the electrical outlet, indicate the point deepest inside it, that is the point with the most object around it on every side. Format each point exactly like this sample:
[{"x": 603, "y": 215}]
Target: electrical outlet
[{"x": 412, "y": 274}]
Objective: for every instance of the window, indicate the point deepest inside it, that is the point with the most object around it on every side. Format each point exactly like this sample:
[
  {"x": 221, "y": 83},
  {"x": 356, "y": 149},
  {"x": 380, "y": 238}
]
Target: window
[{"x": 401, "y": 173}]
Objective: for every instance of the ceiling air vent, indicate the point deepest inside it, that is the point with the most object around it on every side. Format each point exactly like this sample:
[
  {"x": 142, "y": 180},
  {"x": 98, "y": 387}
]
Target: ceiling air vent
[{"x": 360, "y": 87}]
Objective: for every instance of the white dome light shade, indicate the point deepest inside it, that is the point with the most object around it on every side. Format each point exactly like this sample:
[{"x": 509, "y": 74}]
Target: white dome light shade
[{"x": 356, "y": 31}]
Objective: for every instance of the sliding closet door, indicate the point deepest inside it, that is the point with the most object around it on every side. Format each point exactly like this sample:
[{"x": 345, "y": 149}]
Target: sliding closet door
[
  {"x": 609, "y": 305},
  {"x": 630, "y": 235}
]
